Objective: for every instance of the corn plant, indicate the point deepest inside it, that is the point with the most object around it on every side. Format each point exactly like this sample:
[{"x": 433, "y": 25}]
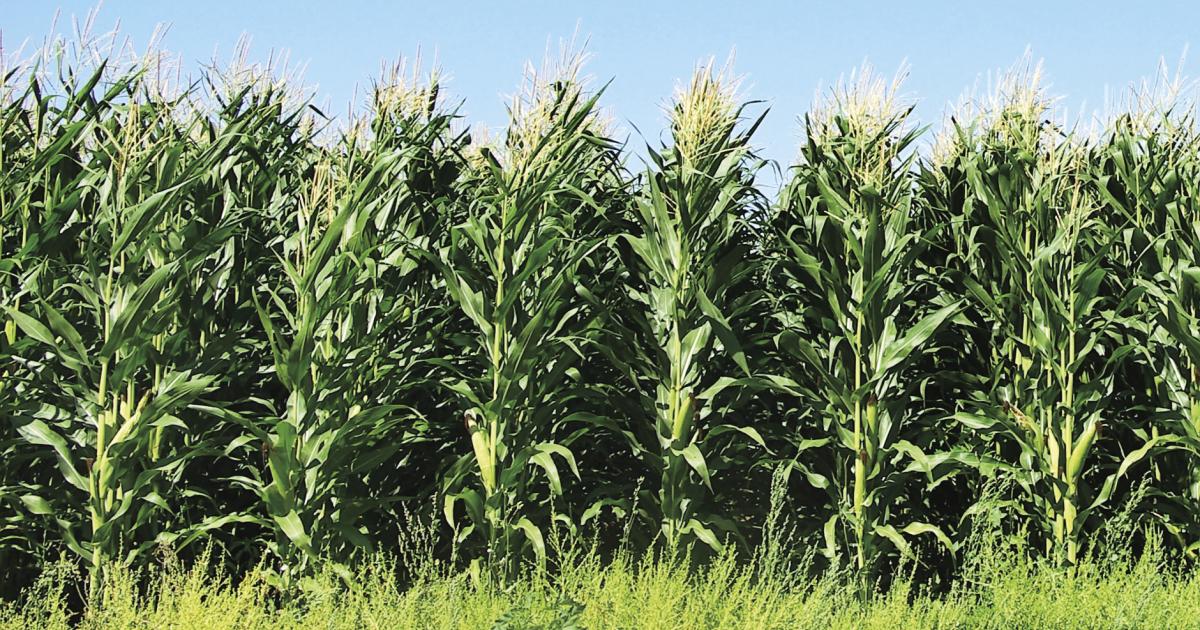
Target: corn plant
[
  {"x": 1034, "y": 262},
  {"x": 17, "y": 152},
  {"x": 96, "y": 322},
  {"x": 1146, "y": 168},
  {"x": 513, "y": 268},
  {"x": 847, "y": 254},
  {"x": 346, "y": 329},
  {"x": 691, "y": 286}
]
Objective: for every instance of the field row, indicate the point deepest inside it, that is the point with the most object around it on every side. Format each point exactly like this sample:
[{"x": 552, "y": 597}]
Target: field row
[{"x": 229, "y": 320}]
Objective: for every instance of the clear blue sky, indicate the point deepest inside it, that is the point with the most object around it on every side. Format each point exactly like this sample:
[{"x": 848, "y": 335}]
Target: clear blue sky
[{"x": 786, "y": 50}]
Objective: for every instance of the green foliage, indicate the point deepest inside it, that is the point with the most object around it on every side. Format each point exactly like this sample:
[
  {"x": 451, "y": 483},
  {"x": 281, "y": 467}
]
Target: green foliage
[
  {"x": 515, "y": 267},
  {"x": 690, "y": 285},
  {"x": 852, "y": 322},
  {"x": 626, "y": 593},
  {"x": 229, "y": 320}
]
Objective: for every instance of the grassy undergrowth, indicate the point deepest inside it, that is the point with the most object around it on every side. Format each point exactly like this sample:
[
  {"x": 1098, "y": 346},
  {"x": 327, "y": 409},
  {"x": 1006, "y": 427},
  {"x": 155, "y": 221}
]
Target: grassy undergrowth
[{"x": 1004, "y": 591}]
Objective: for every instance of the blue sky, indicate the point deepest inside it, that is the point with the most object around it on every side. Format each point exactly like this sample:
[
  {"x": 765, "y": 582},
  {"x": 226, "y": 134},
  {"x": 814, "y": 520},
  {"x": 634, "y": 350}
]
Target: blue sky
[{"x": 785, "y": 50}]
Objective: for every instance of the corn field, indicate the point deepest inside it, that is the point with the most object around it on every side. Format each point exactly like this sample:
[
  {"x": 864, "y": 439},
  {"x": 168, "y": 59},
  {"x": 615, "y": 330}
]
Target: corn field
[{"x": 232, "y": 322}]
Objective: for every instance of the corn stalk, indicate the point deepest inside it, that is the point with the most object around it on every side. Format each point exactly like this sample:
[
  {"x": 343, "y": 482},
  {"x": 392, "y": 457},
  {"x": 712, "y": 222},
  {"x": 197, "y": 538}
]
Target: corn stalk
[
  {"x": 690, "y": 286},
  {"x": 847, "y": 258},
  {"x": 513, "y": 268},
  {"x": 1034, "y": 255},
  {"x": 347, "y": 329},
  {"x": 95, "y": 321},
  {"x": 1146, "y": 176}
]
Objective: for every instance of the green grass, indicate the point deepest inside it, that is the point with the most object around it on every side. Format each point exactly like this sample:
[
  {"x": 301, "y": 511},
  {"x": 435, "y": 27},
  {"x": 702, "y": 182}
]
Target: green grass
[{"x": 627, "y": 593}]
